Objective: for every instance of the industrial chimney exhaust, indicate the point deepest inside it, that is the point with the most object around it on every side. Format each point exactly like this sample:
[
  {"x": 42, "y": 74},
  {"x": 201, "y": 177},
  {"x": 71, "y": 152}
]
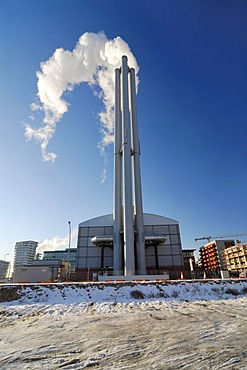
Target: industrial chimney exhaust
[{"x": 129, "y": 240}]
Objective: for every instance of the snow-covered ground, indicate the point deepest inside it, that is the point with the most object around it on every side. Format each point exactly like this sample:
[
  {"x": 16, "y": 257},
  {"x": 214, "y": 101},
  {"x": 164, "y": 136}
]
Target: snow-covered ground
[{"x": 173, "y": 325}]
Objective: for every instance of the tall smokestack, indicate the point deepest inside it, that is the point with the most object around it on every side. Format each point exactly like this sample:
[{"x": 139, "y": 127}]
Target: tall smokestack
[
  {"x": 138, "y": 209},
  {"x": 128, "y": 227},
  {"x": 117, "y": 199},
  {"x": 129, "y": 239}
]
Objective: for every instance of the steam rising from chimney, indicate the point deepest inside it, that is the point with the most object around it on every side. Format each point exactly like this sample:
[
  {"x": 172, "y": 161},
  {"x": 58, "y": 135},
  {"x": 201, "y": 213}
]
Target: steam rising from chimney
[
  {"x": 93, "y": 61},
  {"x": 56, "y": 242}
]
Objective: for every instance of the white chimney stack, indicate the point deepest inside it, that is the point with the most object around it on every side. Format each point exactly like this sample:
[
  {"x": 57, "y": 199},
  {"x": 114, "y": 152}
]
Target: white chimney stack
[{"x": 129, "y": 240}]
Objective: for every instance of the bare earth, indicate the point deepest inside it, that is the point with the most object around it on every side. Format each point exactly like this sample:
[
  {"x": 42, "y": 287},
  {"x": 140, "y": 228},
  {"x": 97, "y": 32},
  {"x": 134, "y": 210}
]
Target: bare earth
[{"x": 113, "y": 336}]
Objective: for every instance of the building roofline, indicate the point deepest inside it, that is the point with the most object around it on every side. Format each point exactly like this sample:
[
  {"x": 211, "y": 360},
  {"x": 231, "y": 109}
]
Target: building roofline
[{"x": 148, "y": 218}]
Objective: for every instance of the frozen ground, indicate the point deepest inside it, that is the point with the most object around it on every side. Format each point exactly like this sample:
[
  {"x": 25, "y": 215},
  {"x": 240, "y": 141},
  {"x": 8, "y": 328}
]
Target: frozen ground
[{"x": 125, "y": 326}]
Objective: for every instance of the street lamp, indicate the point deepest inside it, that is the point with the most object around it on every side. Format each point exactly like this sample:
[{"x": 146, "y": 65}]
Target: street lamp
[
  {"x": 7, "y": 254},
  {"x": 69, "y": 250}
]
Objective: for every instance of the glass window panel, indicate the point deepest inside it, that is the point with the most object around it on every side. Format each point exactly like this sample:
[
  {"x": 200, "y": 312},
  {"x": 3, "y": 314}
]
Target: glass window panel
[
  {"x": 175, "y": 239},
  {"x": 148, "y": 229},
  {"x": 108, "y": 261},
  {"x": 82, "y": 252},
  {"x": 164, "y": 249},
  {"x": 108, "y": 252},
  {"x": 150, "y": 251},
  {"x": 94, "y": 262},
  {"x": 94, "y": 252},
  {"x": 174, "y": 229},
  {"x": 83, "y": 231},
  {"x": 150, "y": 261},
  {"x": 81, "y": 262},
  {"x": 108, "y": 230},
  {"x": 95, "y": 231},
  {"x": 161, "y": 229},
  {"x": 82, "y": 241},
  {"x": 176, "y": 249},
  {"x": 165, "y": 260},
  {"x": 177, "y": 260}
]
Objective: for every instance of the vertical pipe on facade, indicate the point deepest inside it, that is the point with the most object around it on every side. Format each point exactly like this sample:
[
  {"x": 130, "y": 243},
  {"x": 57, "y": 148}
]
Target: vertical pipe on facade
[
  {"x": 117, "y": 193},
  {"x": 140, "y": 240},
  {"x": 129, "y": 267}
]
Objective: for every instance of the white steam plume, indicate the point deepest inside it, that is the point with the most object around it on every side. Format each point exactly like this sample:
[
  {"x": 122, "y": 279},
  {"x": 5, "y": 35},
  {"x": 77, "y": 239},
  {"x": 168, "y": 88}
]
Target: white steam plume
[
  {"x": 93, "y": 61},
  {"x": 56, "y": 242}
]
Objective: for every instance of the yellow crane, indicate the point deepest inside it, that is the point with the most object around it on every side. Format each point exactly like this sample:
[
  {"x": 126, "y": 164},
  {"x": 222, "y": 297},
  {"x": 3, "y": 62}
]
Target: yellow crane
[{"x": 208, "y": 238}]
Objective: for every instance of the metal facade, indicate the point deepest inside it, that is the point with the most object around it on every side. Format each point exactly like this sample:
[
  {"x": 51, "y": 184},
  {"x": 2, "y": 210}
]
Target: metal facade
[{"x": 158, "y": 257}]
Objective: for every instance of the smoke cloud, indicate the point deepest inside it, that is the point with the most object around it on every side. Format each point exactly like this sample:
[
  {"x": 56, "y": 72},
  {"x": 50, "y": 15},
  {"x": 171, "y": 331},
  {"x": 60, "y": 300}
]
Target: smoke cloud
[
  {"x": 92, "y": 61},
  {"x": 55, "y": 243}
]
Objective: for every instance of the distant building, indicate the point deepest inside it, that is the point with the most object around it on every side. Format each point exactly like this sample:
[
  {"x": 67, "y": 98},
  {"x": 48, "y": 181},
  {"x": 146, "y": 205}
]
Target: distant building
[
  {"x": 188, "y": 254},
  {"x": 62, "y": 255},
  {"x": 236, "y": 257},
  {"x": 4, "y": 267},
  {"x": 212, "y": 255},
  {"x": 24, "y": 253},
  {"x": 41, "y": 271},
  {"x": 189, "y": 263}
]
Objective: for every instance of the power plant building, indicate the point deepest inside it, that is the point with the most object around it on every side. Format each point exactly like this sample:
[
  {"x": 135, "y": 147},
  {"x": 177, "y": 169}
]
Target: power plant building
[
  {"x": 160, "y": 255},
  {"x": 127, "y": 242}
]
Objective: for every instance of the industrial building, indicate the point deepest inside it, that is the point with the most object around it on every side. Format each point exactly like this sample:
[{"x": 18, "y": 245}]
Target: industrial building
[
  {"x": 68, "y": 254},
  {"x": 128, "y": 243},
  {"x": 95, "y": 252},
  {"x": 41, "y": 271},
  {"x": 24, "y": 253},
  {"x": 4, "y": 268}
]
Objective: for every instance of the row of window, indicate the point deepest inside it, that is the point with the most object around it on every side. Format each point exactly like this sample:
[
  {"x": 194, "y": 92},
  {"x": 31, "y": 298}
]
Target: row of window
[
  {"x": 95, "y": 262},
  {"x": 84, "y": 241},
  {"x": 148, "y": 229},
  {"x": 163, "y": 250}
]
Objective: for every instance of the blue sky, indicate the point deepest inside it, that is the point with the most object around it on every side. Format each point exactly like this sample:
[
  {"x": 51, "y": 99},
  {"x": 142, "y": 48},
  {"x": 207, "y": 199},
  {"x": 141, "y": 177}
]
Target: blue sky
[{"x": 191, "y": 110}]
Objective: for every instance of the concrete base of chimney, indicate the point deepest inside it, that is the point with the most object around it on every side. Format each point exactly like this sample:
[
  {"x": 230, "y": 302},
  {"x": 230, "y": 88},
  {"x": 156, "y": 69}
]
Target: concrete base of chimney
[{"x": 133, "y": 278}]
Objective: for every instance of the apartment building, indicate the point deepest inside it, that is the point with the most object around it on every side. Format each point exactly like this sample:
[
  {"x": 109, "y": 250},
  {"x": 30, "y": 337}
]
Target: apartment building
[
  {"x": 24, "y": 253},
  {"x": 212, "y": 255},
  {"x": 236, "y": 257}
]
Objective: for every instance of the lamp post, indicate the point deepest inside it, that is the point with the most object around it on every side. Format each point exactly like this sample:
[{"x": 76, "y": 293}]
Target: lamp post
[
  {"x": 68, "y": 276},
  {"x": 6, "y": 254}
]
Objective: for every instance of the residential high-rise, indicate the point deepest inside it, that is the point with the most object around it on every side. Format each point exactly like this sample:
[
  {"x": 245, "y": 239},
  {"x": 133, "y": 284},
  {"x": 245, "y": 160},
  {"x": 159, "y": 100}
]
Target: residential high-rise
[
  {"x": 212, "y": 255},
  {"x": 24, "y": 253},
  {"x": 236, "y": 257}
]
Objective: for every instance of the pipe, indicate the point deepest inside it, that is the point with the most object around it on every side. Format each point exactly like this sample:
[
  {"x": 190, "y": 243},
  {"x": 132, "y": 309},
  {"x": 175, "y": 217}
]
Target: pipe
[
  {"x": 102, "y": 240},
  {"x": 117, "y": 192},
  {"x": 127, "y": 180},
  {"x": 140, "y": 239}
]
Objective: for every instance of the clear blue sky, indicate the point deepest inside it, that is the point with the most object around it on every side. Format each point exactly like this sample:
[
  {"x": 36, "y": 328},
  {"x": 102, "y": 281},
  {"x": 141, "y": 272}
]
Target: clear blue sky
[{"x": 192, "y": 109}]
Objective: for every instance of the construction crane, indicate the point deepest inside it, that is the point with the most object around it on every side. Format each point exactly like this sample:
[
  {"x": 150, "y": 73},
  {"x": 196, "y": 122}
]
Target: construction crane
[{"x": 208, "y": 238}]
